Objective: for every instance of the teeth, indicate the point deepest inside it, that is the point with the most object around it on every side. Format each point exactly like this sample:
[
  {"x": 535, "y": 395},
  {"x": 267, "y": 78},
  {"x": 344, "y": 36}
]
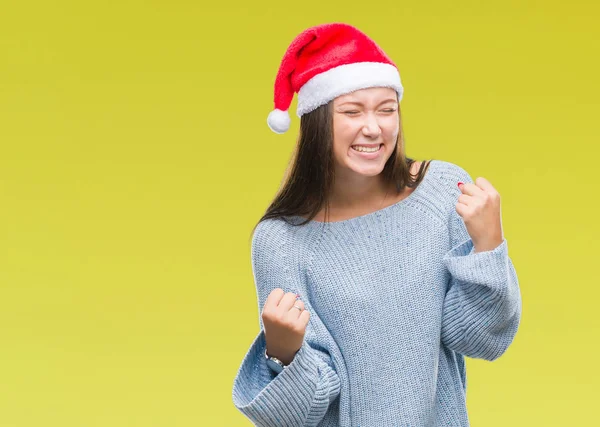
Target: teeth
[{"x": 365, "y": 149}]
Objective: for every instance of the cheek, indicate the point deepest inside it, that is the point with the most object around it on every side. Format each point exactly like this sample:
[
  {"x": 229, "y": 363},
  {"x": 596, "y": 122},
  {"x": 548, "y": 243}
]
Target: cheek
[
  {"x": 342, "y": 125},
  {"x": 344, "y": 133},
  {"x": 391, "y": 131}
]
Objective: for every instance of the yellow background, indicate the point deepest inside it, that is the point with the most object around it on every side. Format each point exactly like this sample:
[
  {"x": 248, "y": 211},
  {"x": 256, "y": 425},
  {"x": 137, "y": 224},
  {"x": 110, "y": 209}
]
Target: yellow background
[{"x": 135, "y": 159}]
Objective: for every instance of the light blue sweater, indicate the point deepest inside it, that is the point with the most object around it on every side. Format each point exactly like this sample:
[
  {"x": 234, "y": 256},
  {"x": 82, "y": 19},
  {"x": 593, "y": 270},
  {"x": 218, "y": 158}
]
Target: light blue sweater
[{"x": 397, "y": 298}]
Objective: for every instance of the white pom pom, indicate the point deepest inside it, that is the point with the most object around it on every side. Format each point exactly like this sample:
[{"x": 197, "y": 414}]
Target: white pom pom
[{"x": 278, "y": 121}]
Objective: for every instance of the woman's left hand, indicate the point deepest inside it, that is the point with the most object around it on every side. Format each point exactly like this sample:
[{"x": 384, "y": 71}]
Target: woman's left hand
[{"x": 479, "y": 206}]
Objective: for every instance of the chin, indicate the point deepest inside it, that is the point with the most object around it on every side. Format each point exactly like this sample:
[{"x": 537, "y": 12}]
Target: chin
[{"x": 367, "y": 171}]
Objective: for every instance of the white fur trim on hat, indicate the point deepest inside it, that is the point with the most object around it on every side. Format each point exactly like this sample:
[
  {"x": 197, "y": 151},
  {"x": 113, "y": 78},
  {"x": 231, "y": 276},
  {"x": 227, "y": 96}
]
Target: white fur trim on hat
[{"x": 344, "y": 79}]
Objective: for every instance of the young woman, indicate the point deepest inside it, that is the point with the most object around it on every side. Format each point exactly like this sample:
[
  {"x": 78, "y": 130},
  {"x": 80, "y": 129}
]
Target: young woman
[{"x": 375, "y": 274}]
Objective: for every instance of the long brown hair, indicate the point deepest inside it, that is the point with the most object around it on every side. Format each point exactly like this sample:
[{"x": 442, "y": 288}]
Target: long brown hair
[{"x": 309, "y": 176}]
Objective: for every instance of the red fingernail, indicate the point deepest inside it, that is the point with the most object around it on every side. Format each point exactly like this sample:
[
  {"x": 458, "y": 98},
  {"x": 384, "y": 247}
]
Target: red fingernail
[
  {"x": 460, "y": 182},
  {"x": 297, "y": 295}
]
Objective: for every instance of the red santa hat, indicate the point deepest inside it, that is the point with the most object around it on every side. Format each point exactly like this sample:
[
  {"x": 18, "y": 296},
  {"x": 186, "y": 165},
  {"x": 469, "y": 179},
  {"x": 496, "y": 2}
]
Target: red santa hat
[{"x": 324, "y": 62}]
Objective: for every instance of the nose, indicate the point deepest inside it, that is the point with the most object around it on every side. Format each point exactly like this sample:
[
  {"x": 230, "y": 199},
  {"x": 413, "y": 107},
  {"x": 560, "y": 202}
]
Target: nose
[{"x": 371, "y": 126}]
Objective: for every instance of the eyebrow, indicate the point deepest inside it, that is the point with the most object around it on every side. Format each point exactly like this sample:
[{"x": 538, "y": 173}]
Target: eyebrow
[{"x": 359, "y": 103}]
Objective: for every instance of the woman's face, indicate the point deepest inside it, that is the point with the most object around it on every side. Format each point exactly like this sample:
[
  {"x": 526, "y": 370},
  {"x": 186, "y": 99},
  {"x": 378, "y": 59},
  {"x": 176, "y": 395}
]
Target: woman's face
[{"x": 367, "y": 117}]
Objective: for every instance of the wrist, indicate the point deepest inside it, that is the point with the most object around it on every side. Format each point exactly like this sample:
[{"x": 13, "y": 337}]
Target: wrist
[
  {"x": 488, "y": 246},
  {"x": 275, "y": 363},
  {"x": 284, "y": 358}
]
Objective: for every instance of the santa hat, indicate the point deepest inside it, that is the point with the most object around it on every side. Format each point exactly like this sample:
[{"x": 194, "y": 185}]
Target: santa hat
[{"x": 324, "y": 62}]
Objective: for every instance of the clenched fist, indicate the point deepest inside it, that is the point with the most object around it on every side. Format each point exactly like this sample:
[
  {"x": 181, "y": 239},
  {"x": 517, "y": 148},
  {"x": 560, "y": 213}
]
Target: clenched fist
[
  {"x": 479, "y": 206},
  {"x": 285, "y": 322}
]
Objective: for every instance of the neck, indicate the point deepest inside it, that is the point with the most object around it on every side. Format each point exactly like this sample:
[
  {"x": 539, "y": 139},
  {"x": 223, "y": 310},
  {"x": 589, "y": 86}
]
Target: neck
[{"x": 358, "y": 192}]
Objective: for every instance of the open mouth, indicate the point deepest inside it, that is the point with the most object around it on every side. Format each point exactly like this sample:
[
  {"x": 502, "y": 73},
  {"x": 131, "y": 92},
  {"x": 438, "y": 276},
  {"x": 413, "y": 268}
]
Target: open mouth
[
  {"x": 368, "y": 153},
  {"x": 367, "y": 150}
]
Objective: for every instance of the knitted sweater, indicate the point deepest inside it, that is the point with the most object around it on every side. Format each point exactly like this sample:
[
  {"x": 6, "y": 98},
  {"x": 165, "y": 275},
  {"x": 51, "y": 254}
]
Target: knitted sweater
[{"x": 397, "y": 298}]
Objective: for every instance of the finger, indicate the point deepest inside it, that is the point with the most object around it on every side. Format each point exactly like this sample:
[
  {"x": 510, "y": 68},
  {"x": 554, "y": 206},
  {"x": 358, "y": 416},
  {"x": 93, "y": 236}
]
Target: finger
[
  {"x": 298, "y": 303},
  {"x": 294, "y": 313},
  {"x": 274, "y": 297},
  {"x": 470, "y": 189},
  {"x": 465, "y": 199},
  {"x": 287, "y": 302},
  {"x": 461, "y": 209},
  {"x": 484, "y": 184},
  {"x": 304, "y": 318}
]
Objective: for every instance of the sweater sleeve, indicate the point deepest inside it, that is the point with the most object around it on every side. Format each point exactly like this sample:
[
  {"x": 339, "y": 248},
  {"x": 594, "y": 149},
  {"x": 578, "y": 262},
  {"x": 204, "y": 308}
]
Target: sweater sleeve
[
  {"x": 482, "y": 307},
  {"x": 299, "y": 395}
]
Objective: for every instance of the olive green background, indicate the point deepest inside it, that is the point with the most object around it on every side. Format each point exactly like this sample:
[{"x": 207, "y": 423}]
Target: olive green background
[{"x": 135, "y": 159}]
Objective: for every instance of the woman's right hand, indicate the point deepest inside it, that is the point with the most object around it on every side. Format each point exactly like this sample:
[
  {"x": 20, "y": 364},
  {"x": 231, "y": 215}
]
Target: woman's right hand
[{"x": 284, "y": 325}]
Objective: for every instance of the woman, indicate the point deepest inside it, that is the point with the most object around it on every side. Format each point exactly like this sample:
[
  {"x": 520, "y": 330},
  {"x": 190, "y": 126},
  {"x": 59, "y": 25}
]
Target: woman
[{"x": 375, "y": 274}]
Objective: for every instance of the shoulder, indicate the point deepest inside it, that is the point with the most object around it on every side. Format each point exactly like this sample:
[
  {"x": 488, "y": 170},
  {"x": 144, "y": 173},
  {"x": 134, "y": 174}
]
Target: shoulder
[
  {"x": 271, "y": 235},
  {"x": 444, "y": 190},
  {"x": 276, "y": 240},
  {"x": 265, "y": 248},
  {"x": 267, "y": 234},
  {"x": 448, "y": 173}
]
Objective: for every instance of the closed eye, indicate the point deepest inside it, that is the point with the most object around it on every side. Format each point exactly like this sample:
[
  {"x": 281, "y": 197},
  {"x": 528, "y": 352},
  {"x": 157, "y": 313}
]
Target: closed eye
[{"x": 389, "y": 110}]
